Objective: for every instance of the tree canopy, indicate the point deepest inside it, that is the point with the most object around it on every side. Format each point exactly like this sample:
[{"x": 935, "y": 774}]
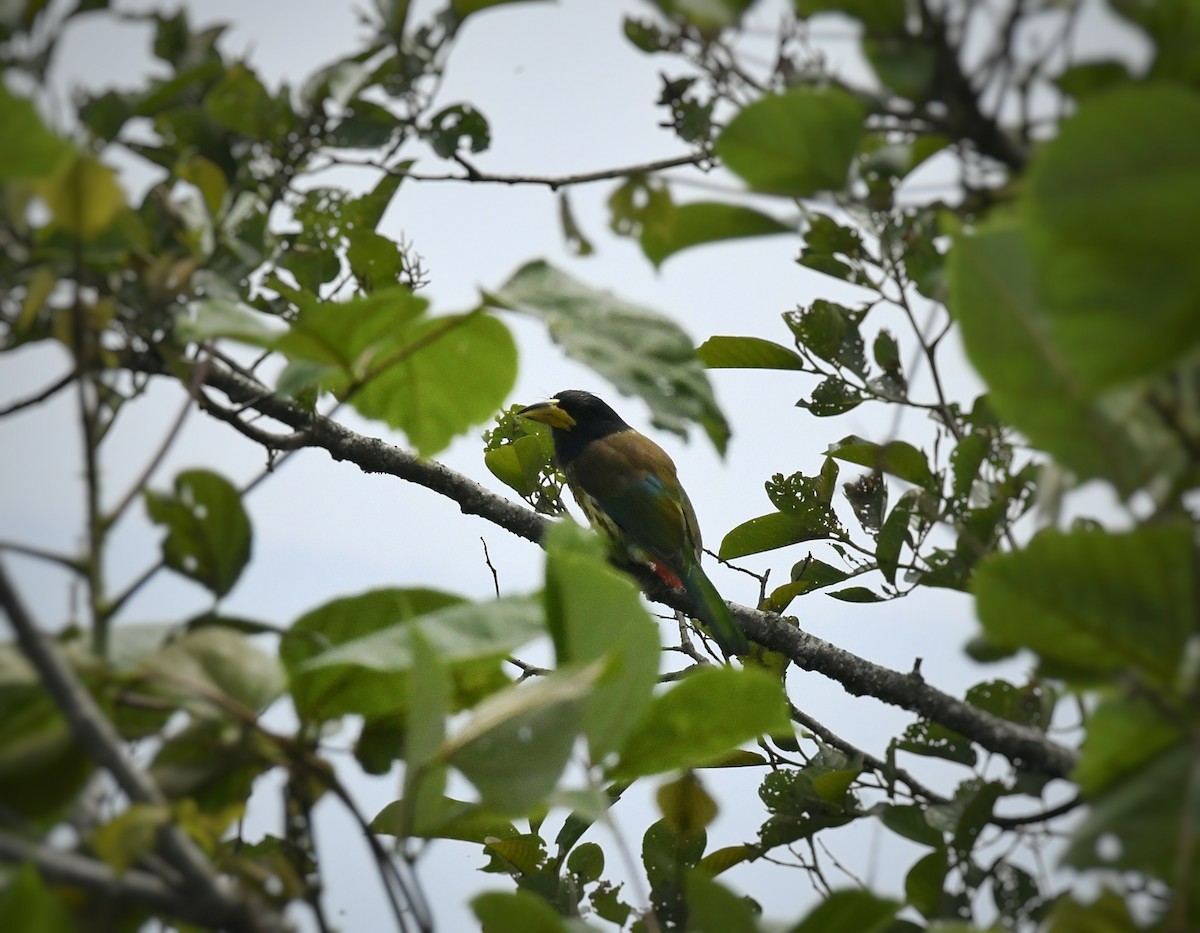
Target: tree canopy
[{"x": 961, "y": 174}]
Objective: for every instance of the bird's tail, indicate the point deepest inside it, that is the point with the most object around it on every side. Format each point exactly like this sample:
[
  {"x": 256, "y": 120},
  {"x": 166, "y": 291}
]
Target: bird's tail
[{"x": 712, "y": 611}]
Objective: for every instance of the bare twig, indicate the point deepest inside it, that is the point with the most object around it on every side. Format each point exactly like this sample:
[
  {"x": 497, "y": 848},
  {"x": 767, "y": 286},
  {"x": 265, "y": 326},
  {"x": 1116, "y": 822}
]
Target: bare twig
[{"x": 53, "y": 389}]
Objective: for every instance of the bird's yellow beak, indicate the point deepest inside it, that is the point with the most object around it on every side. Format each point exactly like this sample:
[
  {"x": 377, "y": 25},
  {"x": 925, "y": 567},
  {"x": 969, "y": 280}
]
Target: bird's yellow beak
[{"x": 548, "y": 413}]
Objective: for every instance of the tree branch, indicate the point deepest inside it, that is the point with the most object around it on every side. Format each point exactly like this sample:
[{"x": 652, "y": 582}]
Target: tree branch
[
  {"x": 97, "y": 736},
  {"x": 133, "y": 886},
  {"x": 1022, "y": 745}
]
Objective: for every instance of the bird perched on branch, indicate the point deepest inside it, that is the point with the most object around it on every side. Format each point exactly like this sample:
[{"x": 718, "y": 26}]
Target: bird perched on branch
[{"x": 626, "y": 484}]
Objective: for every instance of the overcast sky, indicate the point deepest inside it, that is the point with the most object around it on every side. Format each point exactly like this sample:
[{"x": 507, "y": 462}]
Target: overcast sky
[{"x": 565, "y": 93}]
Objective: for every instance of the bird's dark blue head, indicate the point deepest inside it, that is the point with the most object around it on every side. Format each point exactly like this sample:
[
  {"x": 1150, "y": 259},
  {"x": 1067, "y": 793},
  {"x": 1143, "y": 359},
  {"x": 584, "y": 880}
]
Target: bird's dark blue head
[{"x": 576, "y": 418}]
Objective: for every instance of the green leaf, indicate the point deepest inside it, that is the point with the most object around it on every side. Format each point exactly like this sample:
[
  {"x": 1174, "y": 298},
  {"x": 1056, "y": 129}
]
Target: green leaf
[
  {"x": 518, "y": 464},
  {"x": 587, "y": 862},
  {"x": 432, "y": 378},
  {"x": 517, "y": 741},
  {"x": 898, "y": 458},
  {"x": 825, "y": 242},
  {"x": 208, "y": 531},
  {"x": 856, "y": 594},
  {"x": 1109, "y": 913},
  {"x": 130, "y": 835},
  {"x": 830, "y": 330},
  {"x": 686, "y": 225},
  {"x": 832, "y": 396},
  {"x": 456, "y": 631},
  {"x": 767, "y": 532},
  {"x": 30, "y": 149},
  {"x": 903, "y": 63},
  {"x": 444, "y": 818},
  {"x": 713, "y": 908},
  {"x": 83, "y": 196},
  {"x": 1033, "y": 386},
  {"x": 28, "y": 905},
  {"x": 506, "y": 911},
  {"x": 685, "y": 805},
  {"x": 878, "y": 16},
  {"x": 637, "y": 350},
  {"x": 210, "y": 318},
  {"x": 747, "y": 353},
  {"x": 1115, "y": 275},
  {"x": 594, "y": 612},
  {"x": 1096, "y": 601},
  {"x": 796, "y": 143},
  {"x": 908, "y": 820},
  {"x": 1123, "y": 733},
  {"x": 856, "y": 910},
  {"x": 221, "y": 659},
  {"x": 1146, "y": 814},
  {"x": 449, "y": 127},
  {"x": 352, "y": 654},
  {"x": 925, "y": 881},
  {"x": 464, "y": 8},
  {"x": 703, "y": 716},
  {"x": 925, "y": 737},
  {"x": 894, "y": 534}
]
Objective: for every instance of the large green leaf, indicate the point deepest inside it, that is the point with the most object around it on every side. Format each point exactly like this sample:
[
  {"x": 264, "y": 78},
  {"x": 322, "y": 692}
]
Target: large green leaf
[
  {"x": 432, "y": 378},
  {"x": 678, "y": 227},
  {"x": 517, "y": 742},
  {"x": 219, "y": 659},
  {"x": 853, "y": 909},
  {"x": 796, "y": 143},
  {"x": 30, "y": 150},
  {"x": 506, "y": 911},
  {"x": 208, "y": 531},
  {"x": 593, "y": 611},
  {"x": 747, "y": 353},
  {"x": 29, "y": 905},
  {"x": 1116, "y": 275},
  {"x": 899, "y": 458},
  {"x": 83, "y": 196},
  {"x": 1122, "y": 734},
  {"x": 1033, "y": 386},
  {"x": 352, "y": 654},
  {"x": 705, "y": 715},
  {"x": 1147, "y": 815},
  {"x": 641, "y": 352},
  {"x": 1095, "y": 601}
]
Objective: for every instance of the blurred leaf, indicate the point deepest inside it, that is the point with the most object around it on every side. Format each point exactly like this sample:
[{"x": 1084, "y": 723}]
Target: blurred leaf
[
  {"x": 1140, "y": 823},
  {"x": 1096, "y": 601},
  {"x": 856, "y": 910},
  {"x": 933, "y": 740},
  {"x": 506, "y": 911},
  {"x": 1033, "y": 386},
  {"x": 446, "y": 818},
  {"x": 905, "y": 64},
  {"x": 638, "y": 350},
  {"x": 908, "y": 820},
  {"x": 28, "y": 905},
  {"x": 210, "y": 318},
  {"x": 30, "y": 149},
  {"x": 713, "y": 908},
  {"x": 208, "y": 531},
  {"x": 130, "y": 835},
  {"x": 450, "y": 126},
  {"x": 368, "y": 678},
  {"x": 587, "y": 862},
  {"x": 795, "y": 143},
  {"x": 219, "y": 659},
  {"x": 1123, "y": 733},
  {"x": 685, "y": 805},
  {"x": 517, "y": 742},
  {"x": 83, "y": 196},
  {"x": 464, "y": 8},
  {"x": 1115, "y": 277},
  {"x": 1109, "y": 913},
  {"x": 1087, "y": 78},
  {"x": 825, "y": 242},
  {"x": 747, "y": 353},
  {"x": 703, "y": 716},
  {"x": 594, "y": 612},
  {"x": 925, "y": 882}
]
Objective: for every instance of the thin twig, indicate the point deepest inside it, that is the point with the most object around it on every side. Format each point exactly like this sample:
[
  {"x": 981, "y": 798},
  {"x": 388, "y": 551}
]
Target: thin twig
[{"x": 53, "y": 389}]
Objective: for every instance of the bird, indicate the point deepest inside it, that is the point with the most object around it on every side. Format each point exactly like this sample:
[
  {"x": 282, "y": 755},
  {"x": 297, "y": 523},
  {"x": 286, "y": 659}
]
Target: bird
[{"x": 628, "y": 488}]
